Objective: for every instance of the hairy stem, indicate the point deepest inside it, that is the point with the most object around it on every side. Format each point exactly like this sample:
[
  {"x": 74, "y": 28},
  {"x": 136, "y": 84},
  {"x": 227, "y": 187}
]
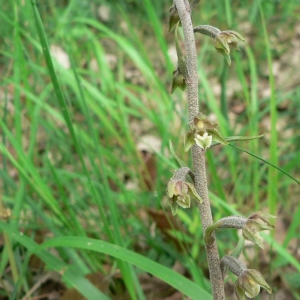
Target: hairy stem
[{"x": 197, "y": 153}]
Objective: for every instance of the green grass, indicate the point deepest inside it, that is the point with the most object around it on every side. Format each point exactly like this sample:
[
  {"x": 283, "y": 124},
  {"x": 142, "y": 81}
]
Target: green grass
[{"x": 70, "y": 166}]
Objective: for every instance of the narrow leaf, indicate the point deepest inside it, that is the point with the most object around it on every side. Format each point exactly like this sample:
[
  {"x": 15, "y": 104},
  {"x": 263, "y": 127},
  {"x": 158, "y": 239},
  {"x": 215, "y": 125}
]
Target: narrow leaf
[
  {"x": 71, "y": 275},
  {"x": 240, "y": 138},
  {"x": 243, "y": 138},
  {"x": 267, "y": 162},
  {"x": 171, "y": 277}
]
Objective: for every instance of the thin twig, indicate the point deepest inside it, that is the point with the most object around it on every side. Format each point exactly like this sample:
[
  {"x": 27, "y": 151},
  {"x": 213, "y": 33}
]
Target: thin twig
[{"x": 197, "y": 153}]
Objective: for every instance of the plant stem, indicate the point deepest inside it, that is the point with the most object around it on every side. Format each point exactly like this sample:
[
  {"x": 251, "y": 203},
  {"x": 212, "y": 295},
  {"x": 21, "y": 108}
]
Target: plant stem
[{"x": 198, "y": 154}]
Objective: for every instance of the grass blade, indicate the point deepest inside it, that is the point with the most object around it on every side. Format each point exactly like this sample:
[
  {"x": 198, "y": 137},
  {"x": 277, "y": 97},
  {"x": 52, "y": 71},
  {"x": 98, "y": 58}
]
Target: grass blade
[
  {"x": 266, "y": 162},
  {"x": 272, "y": 176},
  {"x": 176, "y": 280},
  {"x": 71, "y": 275}
]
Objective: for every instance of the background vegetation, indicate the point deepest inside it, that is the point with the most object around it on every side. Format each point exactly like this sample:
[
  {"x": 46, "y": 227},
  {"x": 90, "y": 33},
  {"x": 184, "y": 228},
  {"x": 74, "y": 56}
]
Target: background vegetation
[{"x": 96, "y": 166}]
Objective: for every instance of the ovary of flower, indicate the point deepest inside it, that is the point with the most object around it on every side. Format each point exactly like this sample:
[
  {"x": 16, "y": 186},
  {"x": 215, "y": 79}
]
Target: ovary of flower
[{"x": 203, "y": 141}]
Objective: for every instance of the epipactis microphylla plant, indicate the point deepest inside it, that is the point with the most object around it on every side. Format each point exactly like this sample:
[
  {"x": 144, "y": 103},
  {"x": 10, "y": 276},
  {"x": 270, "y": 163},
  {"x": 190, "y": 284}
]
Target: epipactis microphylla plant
[{"x": 186, "y": 184}]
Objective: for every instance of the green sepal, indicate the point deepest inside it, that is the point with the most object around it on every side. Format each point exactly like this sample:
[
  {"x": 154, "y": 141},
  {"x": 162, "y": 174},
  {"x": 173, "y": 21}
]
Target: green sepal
[
  {"x": 174, "y": 208},
  {"x": 173, "y": 17},
  {"x": 182, "y": 68},
  {"x": 171, "y": 188},
  {"x": 184, "y": 201},
  {"x": 195, "y": 194},
  {"x": 259, "y": 279},
  {"x": 253, "y": 236},
  {"x": 178, "y": 81},
  {"x": 228, "y": 59},
  {"x": 236, "y": 34},
  {"x": 216, "y": 136},
  {"x": 221, "y": 44},
  {"x": 181, "y": 72},
  {"x": 259, "y": 226},
  {"x": 239, "y": 292},
  {"x": 189, "y": 140}
]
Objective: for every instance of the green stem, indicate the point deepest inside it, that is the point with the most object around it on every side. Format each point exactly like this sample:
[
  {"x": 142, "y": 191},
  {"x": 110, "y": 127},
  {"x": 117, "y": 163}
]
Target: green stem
[
  {"x": 238, "y": 248},
  {"x": 197, "y": 153},
  {"x": 209, "y": 237}
]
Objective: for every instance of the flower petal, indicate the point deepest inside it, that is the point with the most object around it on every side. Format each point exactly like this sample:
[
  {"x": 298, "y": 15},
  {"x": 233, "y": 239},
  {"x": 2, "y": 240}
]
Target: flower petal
[{"x": 204, "y": 141}]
